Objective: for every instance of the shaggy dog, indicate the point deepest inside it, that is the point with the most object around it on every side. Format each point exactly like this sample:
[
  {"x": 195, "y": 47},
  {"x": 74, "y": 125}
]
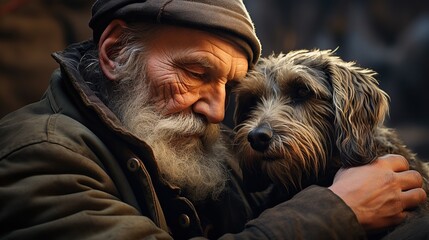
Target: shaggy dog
[{"x": 301, "y": 116}]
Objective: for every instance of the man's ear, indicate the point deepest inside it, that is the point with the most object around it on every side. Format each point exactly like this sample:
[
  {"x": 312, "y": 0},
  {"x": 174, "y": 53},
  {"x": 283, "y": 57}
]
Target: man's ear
[{"x": 108, "y": 48}]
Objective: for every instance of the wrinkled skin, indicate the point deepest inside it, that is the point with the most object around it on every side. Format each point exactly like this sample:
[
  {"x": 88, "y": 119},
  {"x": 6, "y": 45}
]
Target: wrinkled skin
[{"x": 190, "y": 70}]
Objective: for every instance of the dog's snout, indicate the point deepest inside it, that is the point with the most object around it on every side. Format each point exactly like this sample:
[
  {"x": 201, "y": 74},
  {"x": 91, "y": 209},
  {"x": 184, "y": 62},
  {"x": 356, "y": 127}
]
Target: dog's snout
[{"x": 260, "y": 137}]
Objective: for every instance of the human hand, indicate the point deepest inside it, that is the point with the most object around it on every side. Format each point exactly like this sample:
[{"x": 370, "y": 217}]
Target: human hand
[{"x": 380, "y": 193}]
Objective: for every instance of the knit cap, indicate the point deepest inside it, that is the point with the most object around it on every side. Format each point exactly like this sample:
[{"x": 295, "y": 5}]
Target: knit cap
[{"x": 226, "y": 17}]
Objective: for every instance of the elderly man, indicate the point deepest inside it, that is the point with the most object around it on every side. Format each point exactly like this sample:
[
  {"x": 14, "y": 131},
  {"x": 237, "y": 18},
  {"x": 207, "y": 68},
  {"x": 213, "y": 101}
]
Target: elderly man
[{"x": 126, "y": 142}]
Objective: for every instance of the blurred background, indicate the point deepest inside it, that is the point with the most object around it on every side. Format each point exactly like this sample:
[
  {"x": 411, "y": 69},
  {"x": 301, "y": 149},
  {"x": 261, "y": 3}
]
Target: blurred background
[{"x": 390, "y": 37}]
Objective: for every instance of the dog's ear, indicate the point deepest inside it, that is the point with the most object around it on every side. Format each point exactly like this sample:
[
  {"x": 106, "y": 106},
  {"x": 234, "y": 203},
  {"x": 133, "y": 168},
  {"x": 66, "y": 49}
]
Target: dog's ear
[{"x": 360, "y": 106}]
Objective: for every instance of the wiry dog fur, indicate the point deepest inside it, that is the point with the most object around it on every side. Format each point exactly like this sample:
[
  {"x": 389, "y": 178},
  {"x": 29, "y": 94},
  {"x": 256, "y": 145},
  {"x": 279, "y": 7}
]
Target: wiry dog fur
[{"x": 301, "y": 116}]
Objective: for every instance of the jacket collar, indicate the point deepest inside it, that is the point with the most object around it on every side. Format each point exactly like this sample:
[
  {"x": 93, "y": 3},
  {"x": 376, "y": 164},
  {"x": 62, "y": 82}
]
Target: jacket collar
[
  {"x": 90, "y": 109},
  {"x": 80, "y": 91}
]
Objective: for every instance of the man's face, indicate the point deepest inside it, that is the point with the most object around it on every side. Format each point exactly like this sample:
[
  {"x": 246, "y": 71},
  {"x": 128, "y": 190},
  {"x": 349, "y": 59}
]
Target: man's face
[
  {"x": 172, "y": 95},
  {"x": 190, "y": 70}
]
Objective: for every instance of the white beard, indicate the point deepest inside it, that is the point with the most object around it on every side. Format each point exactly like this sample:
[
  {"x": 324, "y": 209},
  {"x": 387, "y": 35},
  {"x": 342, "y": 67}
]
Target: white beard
[
  {"x": 190, "y": 157},
  {"x": 189, "y": 152}
]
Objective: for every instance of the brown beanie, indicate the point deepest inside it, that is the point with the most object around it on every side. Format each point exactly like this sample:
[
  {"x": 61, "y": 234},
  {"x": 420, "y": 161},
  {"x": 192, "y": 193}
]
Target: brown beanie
[{"x": 220, "y": 16}]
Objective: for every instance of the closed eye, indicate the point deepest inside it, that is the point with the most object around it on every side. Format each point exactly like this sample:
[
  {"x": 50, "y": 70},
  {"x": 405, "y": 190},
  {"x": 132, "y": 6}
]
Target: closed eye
[
  {"x": 197, "y": 75},
  {"x": 198, "y": 67}
]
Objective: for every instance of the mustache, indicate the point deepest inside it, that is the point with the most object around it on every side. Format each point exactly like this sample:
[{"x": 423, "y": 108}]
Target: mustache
[{"x": 182, "y": 124}]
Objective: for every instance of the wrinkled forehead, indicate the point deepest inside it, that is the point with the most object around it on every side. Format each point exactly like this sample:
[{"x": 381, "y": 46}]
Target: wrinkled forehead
[{"x": 200, "y": 47}]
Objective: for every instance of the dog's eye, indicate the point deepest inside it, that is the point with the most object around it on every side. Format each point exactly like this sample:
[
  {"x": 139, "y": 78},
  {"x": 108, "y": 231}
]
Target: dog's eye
[
  {"x": 300, "y": 94},
  {"x": 246, "y": 103},
  {"x": 303, "y": 92}
]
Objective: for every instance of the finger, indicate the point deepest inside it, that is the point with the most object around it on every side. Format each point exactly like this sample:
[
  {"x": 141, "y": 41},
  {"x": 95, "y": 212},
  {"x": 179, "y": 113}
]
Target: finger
[
  {"x": 398, "y": 218},
  {"x": 412, "y": 198},
  {"x": 410, "y": 179},
  {"x": 396, "y": 162},
  {"x": 387, "y": 222}
]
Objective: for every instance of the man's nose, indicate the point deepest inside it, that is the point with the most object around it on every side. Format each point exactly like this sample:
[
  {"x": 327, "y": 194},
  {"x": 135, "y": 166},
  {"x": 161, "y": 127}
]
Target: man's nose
[{"x": 212, "y": 104}]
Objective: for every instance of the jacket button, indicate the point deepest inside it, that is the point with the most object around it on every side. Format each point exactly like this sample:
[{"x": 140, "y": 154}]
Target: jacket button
[
  {"x": 184, "y": 220},
  {"x": 133, "y": 164}
]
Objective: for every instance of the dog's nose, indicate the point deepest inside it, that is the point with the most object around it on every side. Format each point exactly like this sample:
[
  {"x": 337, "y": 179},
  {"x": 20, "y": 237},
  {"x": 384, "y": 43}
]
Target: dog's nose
[{"x": 260, "y": 137}]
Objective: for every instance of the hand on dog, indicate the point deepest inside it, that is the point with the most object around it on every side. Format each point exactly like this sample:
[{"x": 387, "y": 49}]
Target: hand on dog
[{"x": 380, "y": 193}]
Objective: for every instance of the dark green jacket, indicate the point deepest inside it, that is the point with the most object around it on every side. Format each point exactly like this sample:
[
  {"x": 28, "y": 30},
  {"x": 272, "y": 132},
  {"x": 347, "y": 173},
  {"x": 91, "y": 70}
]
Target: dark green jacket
[{"x": 69, "y": 170}]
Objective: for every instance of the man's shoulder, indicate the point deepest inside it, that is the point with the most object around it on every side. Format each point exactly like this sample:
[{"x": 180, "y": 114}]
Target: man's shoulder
[{"x": 34, "y": 124}]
